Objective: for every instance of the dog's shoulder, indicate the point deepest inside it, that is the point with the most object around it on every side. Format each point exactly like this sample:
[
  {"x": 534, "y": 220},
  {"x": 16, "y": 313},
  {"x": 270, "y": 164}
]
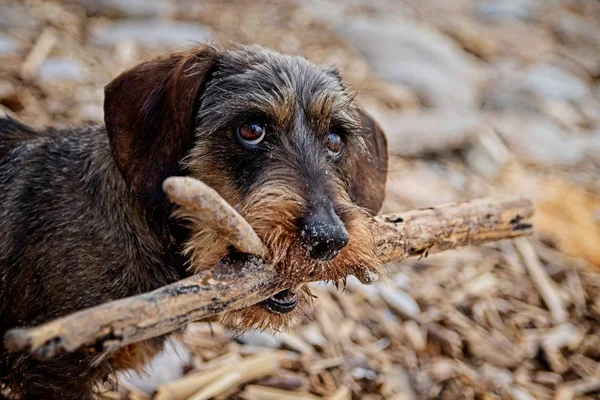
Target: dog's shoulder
[
  {"x": 17, "y": 137},
  {"x": 12, "y": 131}
]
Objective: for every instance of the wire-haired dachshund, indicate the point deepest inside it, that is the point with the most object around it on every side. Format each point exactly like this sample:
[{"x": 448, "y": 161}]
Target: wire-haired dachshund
[{"x": 83, "y": 218}]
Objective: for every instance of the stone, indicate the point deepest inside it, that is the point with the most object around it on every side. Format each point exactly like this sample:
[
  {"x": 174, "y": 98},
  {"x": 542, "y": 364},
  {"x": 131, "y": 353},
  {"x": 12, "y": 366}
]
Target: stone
[
  {"x": 333, "y": 10},
  {"x": 128, "y": 8},
  {"x": 152, "y": 33},
  {"x": 16, "y": 16},
  {"x": 166, "y": 366},
  {"x": 471, "y": 35},
  {"x": 526, "y": 43},
  {"x": 549, "y": 82},
  {"x": 91, "y": 112},
  {"x": 529, "y": 89},
  {"x": 61, "y": 69},
  {"x": 439, "y": 72},
  {"x": 578, "y": 29},
  {"x": 413, "y": 134},
  {"x": 401, "y": 302},
  {"x": 420, "y": 185},
  {"x": 260, "y": 339},
  {"x": 8, "y": 45},
  {"x": 538, "y": 140},
  {"x": 505, "y": 10}
]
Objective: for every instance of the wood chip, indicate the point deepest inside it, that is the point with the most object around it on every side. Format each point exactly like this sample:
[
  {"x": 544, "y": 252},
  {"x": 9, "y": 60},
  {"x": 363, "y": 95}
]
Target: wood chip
[
  {"x": 542, "y": 281},
  {"x": 38, "y": 53}
]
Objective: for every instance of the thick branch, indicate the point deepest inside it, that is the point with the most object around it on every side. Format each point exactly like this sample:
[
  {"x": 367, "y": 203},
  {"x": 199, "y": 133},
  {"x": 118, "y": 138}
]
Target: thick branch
[{"x": 234, "y": 284}]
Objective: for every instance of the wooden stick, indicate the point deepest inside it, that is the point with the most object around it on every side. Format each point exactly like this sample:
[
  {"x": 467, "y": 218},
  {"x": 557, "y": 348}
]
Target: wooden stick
[
  {"x": 453, "y": 225},
  {"x": 246, "y": 280},
  {"x": 230, "y": 285},
  {"x": 204, "y": 203}
]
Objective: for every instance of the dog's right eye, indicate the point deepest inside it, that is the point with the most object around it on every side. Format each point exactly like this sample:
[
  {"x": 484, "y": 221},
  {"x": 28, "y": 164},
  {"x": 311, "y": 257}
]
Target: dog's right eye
[{"x": 251, "y": 133}]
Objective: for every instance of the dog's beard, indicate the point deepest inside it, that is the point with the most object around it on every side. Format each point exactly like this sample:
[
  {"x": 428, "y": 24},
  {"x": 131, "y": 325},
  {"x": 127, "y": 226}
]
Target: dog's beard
[{"x": 272, "y": 211}]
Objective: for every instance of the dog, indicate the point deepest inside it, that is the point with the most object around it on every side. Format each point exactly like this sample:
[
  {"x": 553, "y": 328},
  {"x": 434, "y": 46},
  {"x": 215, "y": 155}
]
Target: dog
[{"x": 83, "y": 218}]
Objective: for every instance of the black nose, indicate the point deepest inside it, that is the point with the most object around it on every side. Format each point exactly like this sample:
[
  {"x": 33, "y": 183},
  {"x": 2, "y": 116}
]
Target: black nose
[{"x": 323, "y": 233}]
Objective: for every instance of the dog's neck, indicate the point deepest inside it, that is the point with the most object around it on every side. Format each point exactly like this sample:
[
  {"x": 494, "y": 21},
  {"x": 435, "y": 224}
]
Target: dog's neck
[{"x": 168, "y": 235}]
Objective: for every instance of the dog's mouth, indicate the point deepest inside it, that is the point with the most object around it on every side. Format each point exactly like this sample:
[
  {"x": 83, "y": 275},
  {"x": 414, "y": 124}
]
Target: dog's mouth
[{"x": 281, "y": 303}]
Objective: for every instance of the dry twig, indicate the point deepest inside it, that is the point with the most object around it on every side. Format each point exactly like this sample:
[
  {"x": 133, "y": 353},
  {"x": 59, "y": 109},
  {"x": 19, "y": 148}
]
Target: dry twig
[
  {"x": 542, "y": 281},
  {"x": 239, "y": 282}
]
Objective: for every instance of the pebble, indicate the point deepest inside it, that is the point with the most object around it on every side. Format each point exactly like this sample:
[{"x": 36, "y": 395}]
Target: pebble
[
  {"x": 61, "y": 69},
  {"x": 517, "y": 393},
  {"x": 312, "y": 334},
  {"x": 440, "y": 73},
  {"x": 166, "y": 366},
  {"x": 152, "y": 33},
  {"x": 499, "y": 376},
  {"x": 437, "y": 130},
  {"x": 260, "y": 339},
  {"x": 505, "y": 10},
  {"x": 401, "y": 302},
  {"x": 91, "y": 112},
  {"x": 17, "y": 16},
  {"x": 539, "y": 140},
  {"x": 129, "y": 8},
  {"x": 530, "y": 88},
  {"x": 549, "y": 82},
  {"x": 8, "y": 45},
  {"x": 407, "y": 186},
  {"x": 578, "y": 29}
]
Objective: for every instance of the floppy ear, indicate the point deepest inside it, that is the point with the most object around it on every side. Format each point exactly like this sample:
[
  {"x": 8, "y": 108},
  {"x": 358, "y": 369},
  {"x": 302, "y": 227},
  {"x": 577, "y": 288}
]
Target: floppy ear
[
  {"x": 149, "y": 115},
  {"x": 369, "y": 171}
]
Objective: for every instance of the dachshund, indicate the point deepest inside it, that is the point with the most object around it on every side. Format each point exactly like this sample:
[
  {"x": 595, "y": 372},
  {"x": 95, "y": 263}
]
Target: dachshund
[{"x": 84, "y": 220}]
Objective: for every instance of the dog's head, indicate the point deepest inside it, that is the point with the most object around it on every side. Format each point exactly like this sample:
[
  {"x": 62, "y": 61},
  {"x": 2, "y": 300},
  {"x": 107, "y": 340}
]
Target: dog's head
[{"x": 278, "y": 137}]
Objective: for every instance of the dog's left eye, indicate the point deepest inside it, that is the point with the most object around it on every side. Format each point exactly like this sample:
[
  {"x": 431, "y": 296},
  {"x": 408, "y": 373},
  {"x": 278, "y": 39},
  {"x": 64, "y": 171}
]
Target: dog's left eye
[
  {"x": 251, "y": 133},
  {"x": 335, "y": 145}
]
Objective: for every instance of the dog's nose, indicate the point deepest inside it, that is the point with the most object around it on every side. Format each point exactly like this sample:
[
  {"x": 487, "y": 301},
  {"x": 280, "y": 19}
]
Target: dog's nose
[{"x": 324, "y": 233}]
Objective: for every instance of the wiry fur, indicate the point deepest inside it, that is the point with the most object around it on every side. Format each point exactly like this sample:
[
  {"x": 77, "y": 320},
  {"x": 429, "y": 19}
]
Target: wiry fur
[
  {"x": 272, "y": 211},
  {"x": 83, "y": 219},
  {"x": 70, "y": 237},
  {"x": 302, "y": 103}
]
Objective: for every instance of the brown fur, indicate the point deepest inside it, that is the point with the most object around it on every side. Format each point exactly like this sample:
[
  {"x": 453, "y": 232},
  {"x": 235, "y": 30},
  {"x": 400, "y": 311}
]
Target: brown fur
[{"x": 83, "y": 219}]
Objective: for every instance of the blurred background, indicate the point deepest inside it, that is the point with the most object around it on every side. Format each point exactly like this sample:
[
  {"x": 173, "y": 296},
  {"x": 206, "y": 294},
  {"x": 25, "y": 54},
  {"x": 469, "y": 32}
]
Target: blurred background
[{"x": 477, "y": 97}]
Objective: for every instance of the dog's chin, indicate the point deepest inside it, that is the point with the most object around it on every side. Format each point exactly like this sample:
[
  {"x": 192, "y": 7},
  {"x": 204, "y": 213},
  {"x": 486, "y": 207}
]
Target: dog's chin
[
  {"x": 278, "y": 313},
  {"x": 282, "y": 310}
]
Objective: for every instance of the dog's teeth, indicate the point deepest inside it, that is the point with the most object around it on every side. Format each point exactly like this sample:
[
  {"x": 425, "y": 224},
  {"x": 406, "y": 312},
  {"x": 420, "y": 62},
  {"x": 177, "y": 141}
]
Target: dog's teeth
[
  {"x": 288, "y": 298},
  {"x": 282, "y": 302}
]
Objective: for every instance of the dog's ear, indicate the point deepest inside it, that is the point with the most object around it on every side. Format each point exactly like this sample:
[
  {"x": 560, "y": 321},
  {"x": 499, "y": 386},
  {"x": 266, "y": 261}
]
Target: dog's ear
[
  {"x": 369, "y": 171},
  {"x": 149, "y": 116}
]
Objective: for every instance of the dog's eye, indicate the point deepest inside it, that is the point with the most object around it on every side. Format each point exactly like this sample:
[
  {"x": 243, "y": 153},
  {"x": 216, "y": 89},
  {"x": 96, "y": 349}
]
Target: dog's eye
[
  {"x": 251, "y": 133},
  {"x": 335, "y": 145}
]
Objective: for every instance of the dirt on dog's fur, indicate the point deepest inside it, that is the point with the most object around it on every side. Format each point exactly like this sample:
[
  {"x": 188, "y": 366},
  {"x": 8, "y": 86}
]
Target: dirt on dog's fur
[{"x": 83, "y": 219}]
